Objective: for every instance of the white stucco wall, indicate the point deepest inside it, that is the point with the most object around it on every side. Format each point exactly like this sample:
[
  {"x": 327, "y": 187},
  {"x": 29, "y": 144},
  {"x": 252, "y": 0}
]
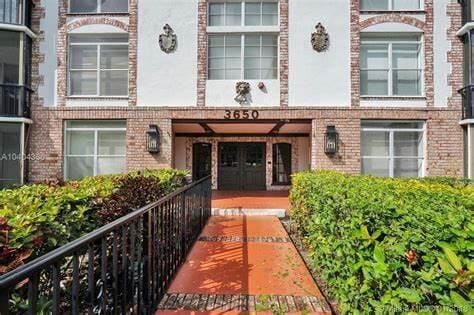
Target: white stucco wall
[
  {"x": 222, "y": 93},
  {"x": 180, "y": 153},
  {"x": 47, "y": 69},
  {"x": 441, "y": 47},
  {"x": 320, "y": 79},
  {"x": 167, "y": 79}
]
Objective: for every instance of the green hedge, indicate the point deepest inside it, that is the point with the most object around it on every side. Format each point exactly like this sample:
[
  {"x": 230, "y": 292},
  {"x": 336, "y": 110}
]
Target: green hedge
[
  {"x": 35, "y": 219},
  {"x": 383, "y": 245}
]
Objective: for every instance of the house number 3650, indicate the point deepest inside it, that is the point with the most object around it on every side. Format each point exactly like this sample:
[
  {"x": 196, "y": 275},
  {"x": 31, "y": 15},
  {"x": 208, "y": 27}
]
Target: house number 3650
[{"x": 241, "y": 114}]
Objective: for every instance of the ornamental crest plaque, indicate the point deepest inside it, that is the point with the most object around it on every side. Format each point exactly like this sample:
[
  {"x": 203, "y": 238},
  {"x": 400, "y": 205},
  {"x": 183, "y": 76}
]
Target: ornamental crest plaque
[
  {"x": 242, "y": 89},
  {"x": 320, "y": 38},
  {"x": 168, "y": 39}
]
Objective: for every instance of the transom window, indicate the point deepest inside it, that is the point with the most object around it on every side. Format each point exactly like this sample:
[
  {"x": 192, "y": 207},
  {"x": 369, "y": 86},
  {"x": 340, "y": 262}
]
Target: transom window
[
  {"x": 94, "y": 148},
  {"x": 393, "y": 149},
  {"x": 243, "y": 56},
  {"x": 98, "y": 6},
  {"x": 98, "y": 65},
  {"x": 390, "y": 5},
  {"x": 243, "y": 13},
  {"x": 391, "y": 65}
]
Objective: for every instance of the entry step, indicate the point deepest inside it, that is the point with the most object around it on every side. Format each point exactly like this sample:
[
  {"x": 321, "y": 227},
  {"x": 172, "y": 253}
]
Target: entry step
[{"x": 280, "y": 213}]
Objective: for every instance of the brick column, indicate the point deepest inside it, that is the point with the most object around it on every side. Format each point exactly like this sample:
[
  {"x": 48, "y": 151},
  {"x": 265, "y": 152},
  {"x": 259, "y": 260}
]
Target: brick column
[
  {"x": 429, "y": 53},
  {"x": 202, "y": 53},
  {"x": 61, "y": 90},
  {"x": 284, "y": 59},
  {"x": 132, "y": 53},
  {"x": 355, "y": 53}
]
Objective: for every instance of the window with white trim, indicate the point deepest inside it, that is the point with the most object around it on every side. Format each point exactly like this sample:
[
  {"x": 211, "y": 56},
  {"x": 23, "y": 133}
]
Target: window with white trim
[
  {"x": 390, "y": 5},
  {"x": 98, "y": 6},
  {"x": 391, "y": 65},
  {"x": 243, "y": 40},
  {"x": 98, "y": 65},
  {"x": 94, "y": 148},
  {"x": 393, "y": 149},
  {"x": 243, "y": 13}
]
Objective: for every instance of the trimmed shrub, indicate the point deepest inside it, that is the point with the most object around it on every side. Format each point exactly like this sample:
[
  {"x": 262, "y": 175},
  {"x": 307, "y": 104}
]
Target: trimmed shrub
[
  {"x": 35, "y": 219},
  {"x": 388, "y": 245}
]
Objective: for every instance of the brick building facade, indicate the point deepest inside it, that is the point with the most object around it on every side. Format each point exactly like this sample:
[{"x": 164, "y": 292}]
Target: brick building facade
[{"x": 388, "y": 82}]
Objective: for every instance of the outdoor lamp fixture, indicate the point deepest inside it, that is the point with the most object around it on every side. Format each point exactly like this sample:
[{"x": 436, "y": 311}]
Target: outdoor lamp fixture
[
  {"x": 331, "y": 142},
  {"x": 153, "y": 139}
]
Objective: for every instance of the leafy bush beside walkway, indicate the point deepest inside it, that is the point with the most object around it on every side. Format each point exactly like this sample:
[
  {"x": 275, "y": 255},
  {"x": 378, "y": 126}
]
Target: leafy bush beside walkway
[
  {"x": 388, "y": 245},
  {"x": 35, "y": 219}
]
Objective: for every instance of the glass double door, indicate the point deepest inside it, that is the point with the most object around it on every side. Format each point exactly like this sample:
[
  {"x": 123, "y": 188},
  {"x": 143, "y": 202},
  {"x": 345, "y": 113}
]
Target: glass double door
[{"x": 242, "y": 166}]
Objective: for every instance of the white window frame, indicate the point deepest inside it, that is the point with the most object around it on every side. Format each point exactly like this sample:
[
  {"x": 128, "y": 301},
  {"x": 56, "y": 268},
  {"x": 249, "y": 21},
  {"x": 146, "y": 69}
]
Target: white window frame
[
  {"x": 95, "y": 155},
  {"x": 421, "y": 4},
  {"x": 242, "y": 55},
  {"x": 242, "y": 16},
  {"x": 391, "y": 156},
  {"x": 99, "y": 9},
  {"x": 390, "y": 68},
  {"x": 98, "y": 69}
]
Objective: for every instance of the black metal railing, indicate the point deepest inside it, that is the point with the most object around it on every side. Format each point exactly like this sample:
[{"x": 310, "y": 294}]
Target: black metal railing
[
  {"x": 15, "y": 100},
  {"x": 16, "y": 12},
  {"x": 467, "y": 94},
  {"x": 124, "y": 267}
]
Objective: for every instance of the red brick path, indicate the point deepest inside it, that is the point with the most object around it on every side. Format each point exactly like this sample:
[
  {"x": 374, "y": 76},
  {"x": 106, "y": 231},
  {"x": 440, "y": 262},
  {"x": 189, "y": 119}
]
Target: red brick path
[{"x": 255, "y": 268}]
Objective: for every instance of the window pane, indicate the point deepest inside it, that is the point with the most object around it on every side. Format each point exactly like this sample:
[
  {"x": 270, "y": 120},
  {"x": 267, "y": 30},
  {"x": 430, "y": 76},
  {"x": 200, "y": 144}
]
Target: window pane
[
  {"x": 374, "y": 4},
  {"x": 376, "y": 167},
  {"x": 216, "y": 74},
  {"x": 252, "y": 40},
  {"x": 409, "y": 144},
  {"x": 114, "y": 83},
  {"x": 9, "y": 57},
  {"x": 234, "y": 40},
  {"x": 83, "y": 6},
  {"x": 405, "y": 56},
  {"x": 269, "y": 74},
  {"x": 233, "y": 14},
  {"x": 252, "y": 74},
  {"x": 406, "y": 5},
  {"x": 216, "y": 20},
  {"x": 110, "y": 165},
  {"x": 114, "y": 6},
  {"x": 112, "y": 142},
  {"x": 270, "y": 20},
  {"x": 233, "y": 52},
  {"x": 252, "y": 63},
  {"x": 406, "y": 82},
  {"x": 114, "y": 57},
  {"x": 253, "y": 13},
  {"x": 233, "y": 63},
  {"x": 252, "y": 20},
  {"x": 216, "y": 40},
  {"x": 83, "y": 57},
  {"x": 270, "y": 14},
  {"x": 80, "y": 143},
  {"x": 232, "y": 74},
  {"x": 270, "y": 8},
  {"x": 217, "y": 63},
  {"x": 80, "y": 124},
  {"x": 79, "y": 167},
  {"x": 98, "y": 38},
  {"x": 83, "y": 83},
  {"x": 374, "y": 56},
  {"x": 374, "y": 82},
  {"x": 375, "y": 143},
  {"x": 269, "y": 51},
  {"x": 216, "y": 8},
  {"x": 252, "y": 51},
  {"x": 10, "y": 147},
  {"x": 216, "y": 52},
  {"x": 269, "y": 40},
  {"x": 268, "y": 63},
  {"x": 407, "y": 168}
]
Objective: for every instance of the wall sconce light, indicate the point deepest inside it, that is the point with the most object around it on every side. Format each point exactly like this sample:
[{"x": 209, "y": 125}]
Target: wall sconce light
[
  {"x": 153, "y": 139},
  {"x": 331, "y": 142}
]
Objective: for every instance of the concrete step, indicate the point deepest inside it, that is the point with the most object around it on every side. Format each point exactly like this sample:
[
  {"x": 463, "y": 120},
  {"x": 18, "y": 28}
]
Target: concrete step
[{"x": 280, "y": 213}]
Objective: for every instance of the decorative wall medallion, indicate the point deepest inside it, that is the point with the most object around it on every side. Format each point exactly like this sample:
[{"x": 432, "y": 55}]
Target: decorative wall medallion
[
  {"x": 242, "y": 89},
  {"x": 168, "y": 39},
  {"x": 320, "y": 38}
]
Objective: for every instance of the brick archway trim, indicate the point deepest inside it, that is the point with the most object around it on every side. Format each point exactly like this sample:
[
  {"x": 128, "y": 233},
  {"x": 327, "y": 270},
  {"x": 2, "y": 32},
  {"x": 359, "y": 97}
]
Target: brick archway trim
[
  {"x": 393, "y": 18},
  {"x": 97, "y": 20}
]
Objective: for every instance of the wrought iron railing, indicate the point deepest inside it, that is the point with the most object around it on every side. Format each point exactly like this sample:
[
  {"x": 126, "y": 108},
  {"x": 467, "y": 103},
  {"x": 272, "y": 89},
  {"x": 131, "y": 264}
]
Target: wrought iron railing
[
  {"x": 16, "y": 12},
  {"x": 124, "y": 267},
  {"x": 15, "y": 100},
  {"x": 467, "y": 94}
]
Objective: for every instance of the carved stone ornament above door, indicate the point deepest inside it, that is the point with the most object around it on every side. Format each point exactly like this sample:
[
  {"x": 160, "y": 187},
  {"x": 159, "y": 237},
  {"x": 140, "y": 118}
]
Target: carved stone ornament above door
[
  {"x": 320, "y": 38},
  {"x": 168, "y": 39}
]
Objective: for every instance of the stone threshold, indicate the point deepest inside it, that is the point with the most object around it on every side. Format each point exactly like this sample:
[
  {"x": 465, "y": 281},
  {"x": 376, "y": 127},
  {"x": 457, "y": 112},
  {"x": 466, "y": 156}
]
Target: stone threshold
[
  {"x": 280, "y": 213},
  {"x": 245, "y": 239},
  {"x": 249, "y": 303}
]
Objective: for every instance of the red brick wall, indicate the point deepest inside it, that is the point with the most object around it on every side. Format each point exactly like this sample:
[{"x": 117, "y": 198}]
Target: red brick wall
[{"x": 284, "y": 47}]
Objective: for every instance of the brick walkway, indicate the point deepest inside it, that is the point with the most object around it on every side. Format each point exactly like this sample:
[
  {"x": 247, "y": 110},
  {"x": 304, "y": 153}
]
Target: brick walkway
[{"x": 243, "y": 265}]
